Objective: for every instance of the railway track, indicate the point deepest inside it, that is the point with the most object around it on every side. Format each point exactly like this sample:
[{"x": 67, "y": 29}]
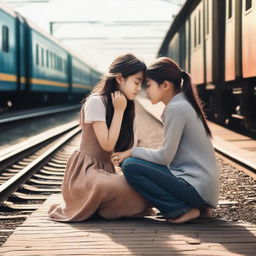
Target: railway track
[
  {"x": 237, "y": 197},
  {"x": 7, "y": 118},
  {"x": 34, "y": 170}
]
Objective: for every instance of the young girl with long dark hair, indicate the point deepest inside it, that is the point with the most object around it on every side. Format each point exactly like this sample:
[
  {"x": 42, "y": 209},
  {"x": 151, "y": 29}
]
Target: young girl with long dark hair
[
  {"x": 181, "y": 178},
  {"x": 90, "y": 183}
]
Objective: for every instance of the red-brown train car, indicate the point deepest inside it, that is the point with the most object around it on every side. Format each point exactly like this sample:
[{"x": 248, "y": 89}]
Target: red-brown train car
[{"x": 215, "y": 41}]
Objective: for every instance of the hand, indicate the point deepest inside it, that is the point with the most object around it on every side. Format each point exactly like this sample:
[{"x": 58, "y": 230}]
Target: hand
[
  {"x": 118, "y": 157},
  {"x": 119, "y": 100}
]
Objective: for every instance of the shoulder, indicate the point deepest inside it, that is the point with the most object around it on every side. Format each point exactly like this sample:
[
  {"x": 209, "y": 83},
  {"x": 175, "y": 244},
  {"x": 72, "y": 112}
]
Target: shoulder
[
  {"x": 94, "y": 99},
  {"x": 94, "y": 109},
  {"x": 94, "y": 102},
  {"x": 181, "y": 105},
  {"x": 176, "y": 108},
  {"x": 179, "y": 109}
]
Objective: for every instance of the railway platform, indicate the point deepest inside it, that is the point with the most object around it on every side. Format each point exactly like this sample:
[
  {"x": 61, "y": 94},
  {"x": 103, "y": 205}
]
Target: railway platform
[
  {"x": 136, "y": 236},
  {"x": 129, "y": 236}
]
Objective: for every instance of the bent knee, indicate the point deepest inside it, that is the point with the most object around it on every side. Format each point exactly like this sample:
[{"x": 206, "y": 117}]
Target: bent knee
[
  {"x": 127, "y": 163},
  {"x": 132, "y": 167}
]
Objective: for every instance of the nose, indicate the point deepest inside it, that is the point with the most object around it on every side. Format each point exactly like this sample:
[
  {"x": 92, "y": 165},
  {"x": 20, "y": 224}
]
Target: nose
[{"x": 139, "y": 88}]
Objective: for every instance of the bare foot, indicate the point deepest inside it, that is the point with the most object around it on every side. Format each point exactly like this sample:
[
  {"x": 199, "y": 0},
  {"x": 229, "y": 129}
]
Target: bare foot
[
  {"x": 147, "y": 212},
  {"x": 206, "y": 213},
  {"x": 192, "y": 214}
]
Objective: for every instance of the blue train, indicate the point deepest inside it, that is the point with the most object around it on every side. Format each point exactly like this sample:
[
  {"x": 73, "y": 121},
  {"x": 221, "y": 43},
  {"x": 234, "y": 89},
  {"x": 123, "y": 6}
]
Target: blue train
[{"x": 35, "y": 69}]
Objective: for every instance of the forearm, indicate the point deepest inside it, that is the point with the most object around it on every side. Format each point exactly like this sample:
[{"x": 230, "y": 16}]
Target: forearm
[
  {"x": 114, "y": 129},
  {"x": 152, "y": 155}
]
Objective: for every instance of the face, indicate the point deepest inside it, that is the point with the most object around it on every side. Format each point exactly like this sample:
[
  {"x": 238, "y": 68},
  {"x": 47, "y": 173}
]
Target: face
[
  {"x": 154, "y": 91},
  {"x": 131, "y": 85}
]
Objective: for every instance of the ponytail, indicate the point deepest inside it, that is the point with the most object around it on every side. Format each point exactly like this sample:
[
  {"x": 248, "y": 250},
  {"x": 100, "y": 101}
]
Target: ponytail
[{"x": 192, "y": 96}]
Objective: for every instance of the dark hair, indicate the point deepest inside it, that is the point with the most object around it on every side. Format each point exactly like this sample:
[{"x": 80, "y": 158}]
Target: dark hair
[
  {"x": 165, "y": 69},
  {"x": 126, "y": 65}
]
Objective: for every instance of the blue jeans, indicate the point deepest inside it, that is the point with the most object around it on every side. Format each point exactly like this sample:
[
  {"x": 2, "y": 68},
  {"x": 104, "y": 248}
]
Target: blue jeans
[{"x": 172, "y": 196}]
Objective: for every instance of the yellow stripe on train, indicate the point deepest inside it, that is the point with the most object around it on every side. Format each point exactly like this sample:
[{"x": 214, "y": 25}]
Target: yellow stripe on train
[
  {"x": 8, "y": 77},
  {"x": 82, "y": 86},
  {"x": 13, "y": 78},
  {"x": 47, "y": 82}
]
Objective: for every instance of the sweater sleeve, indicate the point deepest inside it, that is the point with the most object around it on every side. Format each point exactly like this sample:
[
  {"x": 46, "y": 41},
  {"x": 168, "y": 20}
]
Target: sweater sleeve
[{"x": 174, "y": 123}]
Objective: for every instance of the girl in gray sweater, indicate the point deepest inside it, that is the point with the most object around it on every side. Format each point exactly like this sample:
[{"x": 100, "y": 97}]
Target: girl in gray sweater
[{"x": 181, "y": 178}]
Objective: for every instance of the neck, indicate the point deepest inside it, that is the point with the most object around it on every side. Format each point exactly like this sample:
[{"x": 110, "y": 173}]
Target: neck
[{"x": 168, "y": 96}]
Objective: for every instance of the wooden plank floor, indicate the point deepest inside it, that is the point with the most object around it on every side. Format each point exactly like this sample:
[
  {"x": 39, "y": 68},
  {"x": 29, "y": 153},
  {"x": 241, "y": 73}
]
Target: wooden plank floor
[
  {"x": 148, "y": 236},
  {"x": 238, "y": 146}
]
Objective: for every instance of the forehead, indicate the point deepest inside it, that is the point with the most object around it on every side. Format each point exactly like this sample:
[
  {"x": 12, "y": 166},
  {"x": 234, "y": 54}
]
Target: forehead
[
  {"x": 139, "y": 75},
  {"x": 148, "y": 80}
]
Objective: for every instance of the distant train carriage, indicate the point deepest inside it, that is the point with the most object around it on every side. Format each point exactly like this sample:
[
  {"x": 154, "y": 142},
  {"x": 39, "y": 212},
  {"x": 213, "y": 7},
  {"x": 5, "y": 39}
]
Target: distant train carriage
[
  {"x": 8, "y": 52},
  {"x": 95, "y": 76},
  {"x": 35, "y": 69},
  {"x": 215, "y": 40},
  {"x": 81, "y": 76},
  {"x": 47, "y": 68}
]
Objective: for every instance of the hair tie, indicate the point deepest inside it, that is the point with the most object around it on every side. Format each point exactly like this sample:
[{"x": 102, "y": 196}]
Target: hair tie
[{"x": 182, "y": 73}]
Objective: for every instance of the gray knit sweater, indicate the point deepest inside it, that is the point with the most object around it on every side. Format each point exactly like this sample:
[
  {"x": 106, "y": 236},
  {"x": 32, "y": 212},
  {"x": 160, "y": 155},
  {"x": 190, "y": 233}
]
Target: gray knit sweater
[{"x": 186, "y": 149}]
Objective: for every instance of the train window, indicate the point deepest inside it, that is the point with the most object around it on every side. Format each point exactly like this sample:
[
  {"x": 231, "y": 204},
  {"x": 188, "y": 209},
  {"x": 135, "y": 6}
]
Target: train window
[
  {"x": 37, "y": 54},
  {"x": 248, "y": 4},
  {"x": 52, "y": 61},
  {"x": 207, "y": 17},
  {"x": 195, "y": 32},
  {"x": 47, "y": 58},
  {"x": 60, "y": 61},
  {"x": 5, "y": 39},
  {"x": 61, "y": 68},
  {"x": 199, "y": 28},
  {"x": 42, "y": 59},
  {"x": 229, "y": 9},
  {"x": 57, "y": 63}
]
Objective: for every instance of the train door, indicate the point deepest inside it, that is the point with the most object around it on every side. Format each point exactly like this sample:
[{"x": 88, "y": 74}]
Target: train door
[
  {"x": 196, "y": 47},
  {"x": 248, "y": 103},
  {"x": 187, "y": 45}
]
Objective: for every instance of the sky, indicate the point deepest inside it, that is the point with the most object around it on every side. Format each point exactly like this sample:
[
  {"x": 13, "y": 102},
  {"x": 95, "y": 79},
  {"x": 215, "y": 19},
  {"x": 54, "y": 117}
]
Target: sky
[{"x": 100, "y": 30}]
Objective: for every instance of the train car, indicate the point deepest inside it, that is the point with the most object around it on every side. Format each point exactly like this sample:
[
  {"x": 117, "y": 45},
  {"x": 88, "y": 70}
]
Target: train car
[
  {"x": 8, "y": 52},
  {"x": 81, "y": 76},
  {"x": 248, "y": 97},
  {"x": 217, "y": 48},
  {"x": 35, "y": 68},
  {"x": 47, "y": 68},
  {"x": 95, "y": 76}
]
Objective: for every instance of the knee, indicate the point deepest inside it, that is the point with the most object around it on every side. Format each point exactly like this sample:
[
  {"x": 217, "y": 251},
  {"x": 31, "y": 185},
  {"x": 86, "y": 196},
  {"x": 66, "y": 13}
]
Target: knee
[{"x": 128, "y": 165}]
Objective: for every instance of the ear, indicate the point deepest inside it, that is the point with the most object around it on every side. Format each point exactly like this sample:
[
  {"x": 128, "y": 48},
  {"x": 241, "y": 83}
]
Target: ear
[
  {"x": 119, "y": 78},
  {"x": 166, "y": 85}
]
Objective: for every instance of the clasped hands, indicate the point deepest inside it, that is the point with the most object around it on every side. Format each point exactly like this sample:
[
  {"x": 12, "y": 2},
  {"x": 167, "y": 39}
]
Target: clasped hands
[{"x": 118, "y": 157}]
